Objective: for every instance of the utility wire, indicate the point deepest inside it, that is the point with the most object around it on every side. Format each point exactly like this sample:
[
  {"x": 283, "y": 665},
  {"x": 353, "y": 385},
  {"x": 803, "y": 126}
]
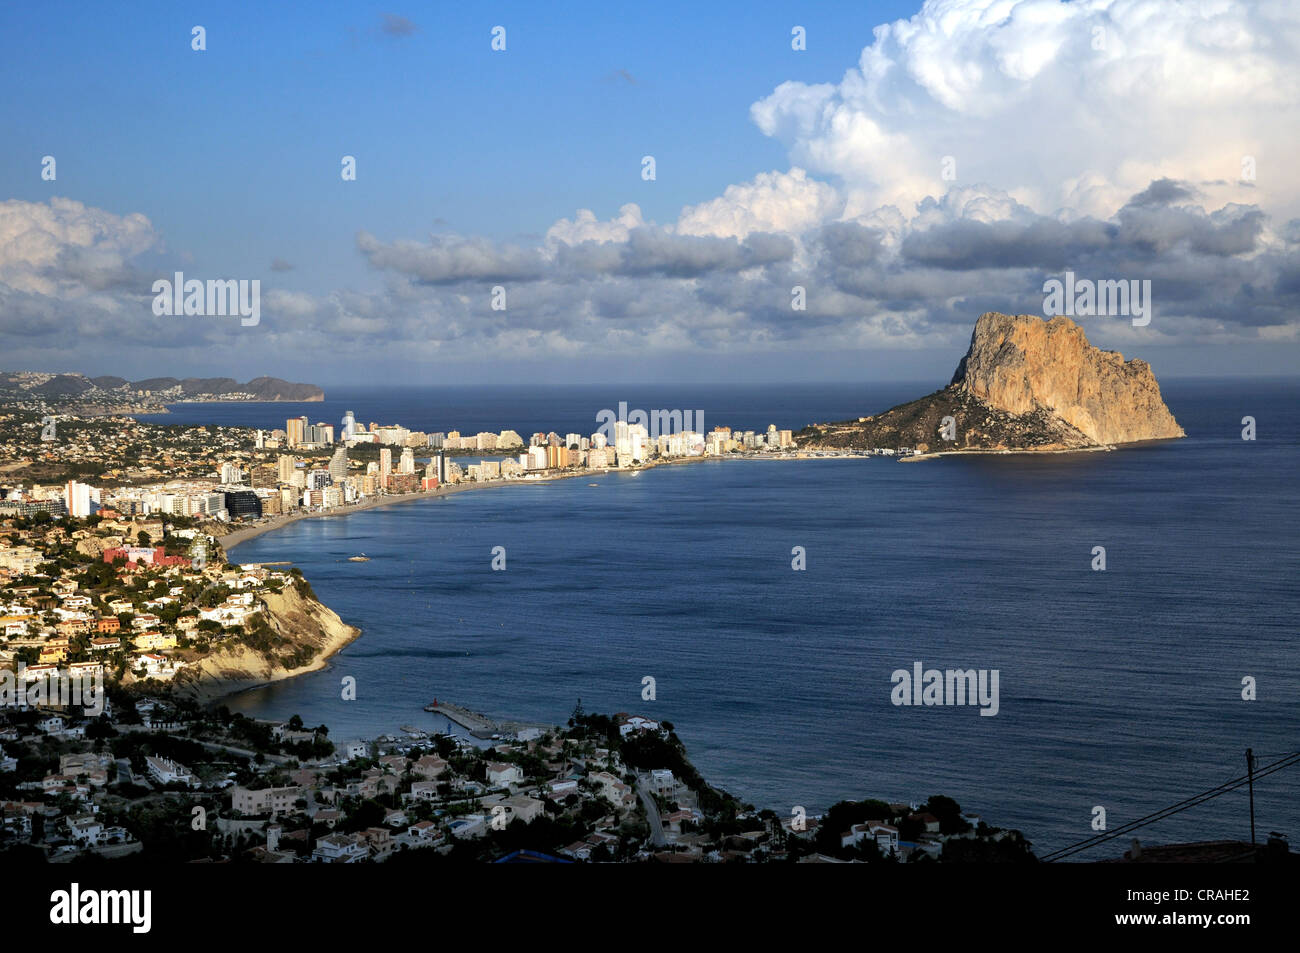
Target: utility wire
[{"x": 1176, "y": 808}]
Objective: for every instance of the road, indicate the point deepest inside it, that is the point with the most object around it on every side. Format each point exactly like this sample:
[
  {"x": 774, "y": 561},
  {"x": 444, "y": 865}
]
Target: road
[{"x": 657, "y": 836}]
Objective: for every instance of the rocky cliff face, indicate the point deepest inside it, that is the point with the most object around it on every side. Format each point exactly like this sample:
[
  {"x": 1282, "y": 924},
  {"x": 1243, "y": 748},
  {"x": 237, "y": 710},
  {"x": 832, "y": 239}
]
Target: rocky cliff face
[
  {"x": 309, "y": 633},
  {"x": 1019, "y": 363},
  {"x": 1024, "y": 384}
]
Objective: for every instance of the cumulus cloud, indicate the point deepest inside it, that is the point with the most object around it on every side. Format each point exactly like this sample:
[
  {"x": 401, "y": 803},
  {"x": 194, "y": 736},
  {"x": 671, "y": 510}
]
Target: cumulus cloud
[
  {"x": 452, "y": 258},
  {"x": 65, "y": 248},
  {"x": 584, "y": 227},
  {"x": 1061, "y": 104},
  {"x": 772, "y": 202},
  {"x": 1097, "y": 137}
]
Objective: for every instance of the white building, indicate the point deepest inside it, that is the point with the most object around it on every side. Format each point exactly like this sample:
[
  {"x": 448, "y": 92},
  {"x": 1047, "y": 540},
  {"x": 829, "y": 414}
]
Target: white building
[
  {"x": 662, "y": 781},
  {"x": 500, "y": 774},
  {"x": 79, "y": 497},
  {"x": 165, "y": 771}
]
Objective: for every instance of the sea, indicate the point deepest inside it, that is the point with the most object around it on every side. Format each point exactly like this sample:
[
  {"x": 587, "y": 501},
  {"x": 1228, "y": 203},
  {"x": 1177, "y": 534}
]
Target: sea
[{"x": 1128, "y": 688}]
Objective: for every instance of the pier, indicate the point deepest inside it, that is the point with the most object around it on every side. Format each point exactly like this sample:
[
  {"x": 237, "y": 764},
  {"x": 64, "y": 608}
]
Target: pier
[{"x": 477, "y": 724}]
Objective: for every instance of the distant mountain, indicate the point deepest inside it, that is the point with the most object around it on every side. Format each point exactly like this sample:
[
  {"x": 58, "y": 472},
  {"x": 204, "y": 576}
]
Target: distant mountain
[
  {"x": 272, "y": 388},
  {"x": 113, "y": 391},
  {"x": 1024, "y": 384}
]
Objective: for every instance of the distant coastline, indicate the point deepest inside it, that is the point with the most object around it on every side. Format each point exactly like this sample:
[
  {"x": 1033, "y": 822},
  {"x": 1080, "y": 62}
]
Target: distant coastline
[
  {"x": 242, "y": 535},
  {"x": 232, "y": 539}
]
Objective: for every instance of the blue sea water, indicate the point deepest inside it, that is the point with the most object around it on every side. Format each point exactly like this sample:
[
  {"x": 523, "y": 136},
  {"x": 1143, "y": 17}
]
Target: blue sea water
[{"x": 1119, "y": 689}]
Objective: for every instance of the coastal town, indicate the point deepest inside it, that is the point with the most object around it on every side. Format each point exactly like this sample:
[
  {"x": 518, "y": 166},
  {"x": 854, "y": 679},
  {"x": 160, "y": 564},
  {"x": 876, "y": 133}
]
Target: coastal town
[
  {"x": 163, "y": 778},
  {"x": 65, "y": 464},
  {"x": 120, "y": 569},
  {"x": 120, "y": 615}
]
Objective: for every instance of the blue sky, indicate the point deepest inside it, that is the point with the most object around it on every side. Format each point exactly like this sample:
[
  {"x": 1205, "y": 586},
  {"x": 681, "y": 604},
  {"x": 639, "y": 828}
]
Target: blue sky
[
  {"x": 775, "y": 167},
  {"x": 234, "y": 153}
]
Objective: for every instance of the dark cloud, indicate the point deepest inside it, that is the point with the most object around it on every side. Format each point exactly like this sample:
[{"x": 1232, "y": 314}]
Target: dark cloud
[
  {"x": 1162, "y": 192},
  {"x": 395, "y": 25},
  {"x": 451, "y": 259},
  {"x": 279, "y": 264},
  {"x": 648, "y": 253},
  {"x": 1146, "y": 228},
  {"x": 966, "y": 245},
  {"x": 903, "y": 285}
]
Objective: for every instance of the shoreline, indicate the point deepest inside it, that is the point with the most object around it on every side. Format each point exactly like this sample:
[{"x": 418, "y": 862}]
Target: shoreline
[
  {"x": 242, "y": 535},
  {"x": 235, "y": 537}
]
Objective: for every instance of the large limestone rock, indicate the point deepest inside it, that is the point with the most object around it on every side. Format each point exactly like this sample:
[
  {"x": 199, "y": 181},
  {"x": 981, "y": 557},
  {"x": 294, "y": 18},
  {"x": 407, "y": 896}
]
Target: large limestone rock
[
  {"x": 1025, "y": 384},
  {"x": 1021, "y": 363}
]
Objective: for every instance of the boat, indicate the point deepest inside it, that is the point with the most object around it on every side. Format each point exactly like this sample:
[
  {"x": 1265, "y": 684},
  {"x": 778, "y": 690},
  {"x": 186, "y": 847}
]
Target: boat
[
  {"x": 593, "y": 484},
  {"x": 363, "y": 558}
]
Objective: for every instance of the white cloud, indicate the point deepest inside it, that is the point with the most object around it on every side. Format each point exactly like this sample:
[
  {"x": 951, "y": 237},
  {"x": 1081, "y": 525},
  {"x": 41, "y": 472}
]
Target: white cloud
[
  {"x": 1061, "y": 104},
  {"x": 584, "y": 227},
  {"x": 1113, "y": 161},
  {"x": 773, "y": 202},
  {"x": 67, "y": 249}
]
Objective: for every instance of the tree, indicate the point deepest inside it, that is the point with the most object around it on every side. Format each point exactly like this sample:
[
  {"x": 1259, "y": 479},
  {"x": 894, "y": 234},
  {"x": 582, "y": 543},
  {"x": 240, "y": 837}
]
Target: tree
[
  {"x": 142, "y": 538},
  {"x": 295, "y": 723}
]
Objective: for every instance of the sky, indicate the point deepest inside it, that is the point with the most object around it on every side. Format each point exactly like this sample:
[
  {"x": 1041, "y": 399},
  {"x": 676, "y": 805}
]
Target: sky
[{"x": 911, "y": 167}]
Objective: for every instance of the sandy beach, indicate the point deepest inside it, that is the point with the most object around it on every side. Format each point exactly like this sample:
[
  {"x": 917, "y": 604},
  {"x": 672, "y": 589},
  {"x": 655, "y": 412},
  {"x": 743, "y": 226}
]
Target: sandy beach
[{"x": 244, "y": 533}]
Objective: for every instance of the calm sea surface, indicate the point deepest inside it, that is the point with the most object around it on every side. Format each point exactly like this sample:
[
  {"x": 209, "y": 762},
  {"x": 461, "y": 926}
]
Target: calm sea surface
[{"x": 1119, "y": 688}]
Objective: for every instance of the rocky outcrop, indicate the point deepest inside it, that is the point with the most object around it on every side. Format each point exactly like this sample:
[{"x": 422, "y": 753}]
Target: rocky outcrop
[
  {"x": 305, "y": 633},
  {"x": 1021, "y": 363},
  {"x": 1024, "y": 384},
  {"x": 94, "y": 546}
]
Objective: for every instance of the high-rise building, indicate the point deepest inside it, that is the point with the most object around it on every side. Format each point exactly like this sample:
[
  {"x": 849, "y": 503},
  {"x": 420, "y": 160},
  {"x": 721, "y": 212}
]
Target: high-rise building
[
  {"x": 407, "y": 464},
  {"x": 295, "y": 429},
  {"x": 338, "y": 464},
  {"x": 78, "y": 498},
  {"x": 243, "y": 504},
  {"x": 286, "y": 468},
  {"x": 385, "y": 466},
  {"x": 349, "y": 426}
]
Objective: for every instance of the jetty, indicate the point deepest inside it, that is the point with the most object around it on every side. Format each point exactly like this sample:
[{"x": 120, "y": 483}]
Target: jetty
[{"x": 478, "y": 724}]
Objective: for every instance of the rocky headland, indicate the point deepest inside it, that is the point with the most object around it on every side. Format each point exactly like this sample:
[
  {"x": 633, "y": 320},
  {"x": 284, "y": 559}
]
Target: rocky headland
[
  {"x": 1024, "y": 384},
  {"x": 299, "y": 635}
]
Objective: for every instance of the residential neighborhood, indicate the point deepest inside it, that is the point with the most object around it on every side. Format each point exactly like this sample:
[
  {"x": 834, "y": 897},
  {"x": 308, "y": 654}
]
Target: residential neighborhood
[{"x": 167, "y": 779}]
